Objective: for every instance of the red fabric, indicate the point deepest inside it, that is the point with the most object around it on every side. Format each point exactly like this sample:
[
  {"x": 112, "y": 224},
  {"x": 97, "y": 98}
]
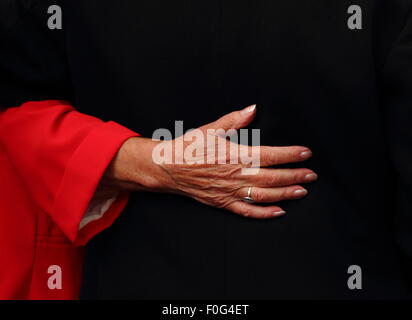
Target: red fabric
[{"x": 51, "y": 160}]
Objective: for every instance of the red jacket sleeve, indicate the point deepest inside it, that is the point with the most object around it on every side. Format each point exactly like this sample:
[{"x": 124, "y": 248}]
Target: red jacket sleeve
[{"x": 60, "y": 156}]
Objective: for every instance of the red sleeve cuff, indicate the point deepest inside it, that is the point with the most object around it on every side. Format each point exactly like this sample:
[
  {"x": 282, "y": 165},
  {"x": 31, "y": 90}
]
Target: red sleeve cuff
[{"x": 81, "y": 178}]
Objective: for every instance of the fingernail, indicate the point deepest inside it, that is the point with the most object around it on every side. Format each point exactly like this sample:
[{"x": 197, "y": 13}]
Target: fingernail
[
  {"x": 248, "y": 110},
  {"x": 300, "y": 192},
  {"x": 306, "y": 154},
  {"x": 279, "y": 213},
  {"x": 311, "y": 177}
]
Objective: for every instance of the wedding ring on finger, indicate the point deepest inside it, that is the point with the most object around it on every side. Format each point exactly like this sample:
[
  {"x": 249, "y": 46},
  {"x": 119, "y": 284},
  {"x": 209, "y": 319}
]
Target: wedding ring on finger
[{"x": 249, "y": 198}]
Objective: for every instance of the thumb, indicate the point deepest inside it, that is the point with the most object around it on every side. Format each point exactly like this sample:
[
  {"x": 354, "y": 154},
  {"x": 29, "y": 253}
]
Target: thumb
[{"x": 234, "y": 120}]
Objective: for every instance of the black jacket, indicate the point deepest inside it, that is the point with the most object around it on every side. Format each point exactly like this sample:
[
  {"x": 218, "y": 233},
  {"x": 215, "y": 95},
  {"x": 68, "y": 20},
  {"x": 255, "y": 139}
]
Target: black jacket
[{"x": 346, "y": 94}]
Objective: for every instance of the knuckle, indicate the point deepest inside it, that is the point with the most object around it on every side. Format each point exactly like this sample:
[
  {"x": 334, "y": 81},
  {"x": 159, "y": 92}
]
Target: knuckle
[
  {"x": 268, "y": 156},
  {"x": 246, "y": 212},
  {"x": 236, "y": 208},
  {"x": 237, "y": 115},
  {"x": 271, "y": 179},
  {"x": 243, "y": 210},
  {"x": 291, "y": 153},
  {"x": 295, "y": 177},
  {"x": 290, "y": 178},
  {"x": 233, "y": 118},
  {"x": 231, "y": 172},
  {"x": 258, "y": 196},
  {"x": 273, "y": 156}
]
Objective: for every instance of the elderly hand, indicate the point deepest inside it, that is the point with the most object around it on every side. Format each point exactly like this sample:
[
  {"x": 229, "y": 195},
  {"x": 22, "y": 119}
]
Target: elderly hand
[{"x": 214, "y": 175}]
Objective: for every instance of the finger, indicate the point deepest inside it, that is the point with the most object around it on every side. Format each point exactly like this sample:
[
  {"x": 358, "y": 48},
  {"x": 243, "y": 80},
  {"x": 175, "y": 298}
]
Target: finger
[
  {"x": 253, "y": 211},
  {"x": 279, "y": 177},
  {"x": 268, "y": 195},
  {"x": 234, "y": 120},
  {"x": 270, "y": 156}
]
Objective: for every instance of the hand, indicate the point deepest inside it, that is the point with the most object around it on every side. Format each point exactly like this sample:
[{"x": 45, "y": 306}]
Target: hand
[{"x": 222, "y": 183}]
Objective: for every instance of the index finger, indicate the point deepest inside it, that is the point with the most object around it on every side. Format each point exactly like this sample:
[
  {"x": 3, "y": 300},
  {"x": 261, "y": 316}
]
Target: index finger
[{"x": 270, "y": 156}]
